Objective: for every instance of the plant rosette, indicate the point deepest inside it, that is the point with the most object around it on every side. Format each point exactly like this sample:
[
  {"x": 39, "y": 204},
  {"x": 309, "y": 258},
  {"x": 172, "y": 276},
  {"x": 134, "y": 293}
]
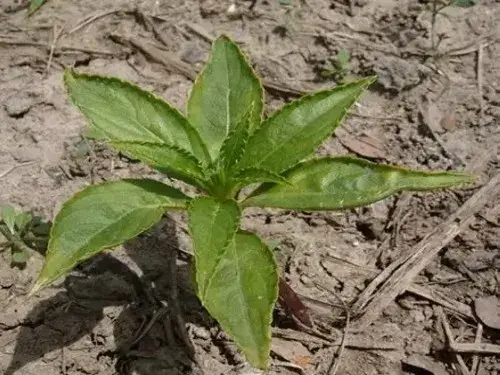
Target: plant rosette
[{"x": 222, "y": 145}]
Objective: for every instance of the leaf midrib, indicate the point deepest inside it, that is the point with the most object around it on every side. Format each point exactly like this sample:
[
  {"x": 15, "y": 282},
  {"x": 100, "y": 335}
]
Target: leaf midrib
[
  {"x": 118, "y": 124},
  {"x": 276, "y": 149},
  {"x": 228, "y": 95},
  {"x": 240, "y": 293},
  {"x": 120, "y": 218},
  {"x": 208, "y": 282}
]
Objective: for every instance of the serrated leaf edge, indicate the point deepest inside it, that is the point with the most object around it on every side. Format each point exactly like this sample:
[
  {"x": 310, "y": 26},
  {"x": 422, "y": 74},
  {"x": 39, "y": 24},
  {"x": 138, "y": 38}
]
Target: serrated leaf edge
[
  {"x": 199, "y": 180},
  {"x": 263, "y": 178},
  {"x": 269, "y": 332},
  {"x": 264, "y": 187},
  {"x": 223, "y": 156},
  {"x": 297, "y": 102},
  {"x": 224, "y": 251},
  {"x": 40, "y": 283},
  {"x": 189, "y": 128},
  {"x": 245, "y": 58}
]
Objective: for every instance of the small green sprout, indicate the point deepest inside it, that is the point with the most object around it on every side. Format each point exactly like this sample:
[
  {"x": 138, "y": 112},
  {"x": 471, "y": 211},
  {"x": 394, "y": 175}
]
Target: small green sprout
[
  {"x": 339, "y": 69},
  {"x": 221, "y": 145},
  {"x": 23, "y": 234}
]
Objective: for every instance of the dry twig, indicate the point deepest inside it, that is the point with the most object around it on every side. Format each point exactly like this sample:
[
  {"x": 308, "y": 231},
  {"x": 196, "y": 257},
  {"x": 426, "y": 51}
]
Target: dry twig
[
  {"x": 336, "y": 360},
  {"x": 419, "y": 290},
  {"x": 475, "y": 359},
  {"x": 200, "y": 31},
  {"x": 57, "y": 34},
  {"x": 450, "y": 340},
  {"x": 480, "y": 53},
  {"x": 30, "y": 43},
  {"x": 350, "y": 343},
  {"x": 399, "y": 275},
  {"x": 11, "y": 169},
  {"x": 290, "y": 365},
  {"x": 149, "y": 23},
  {"x": 89, "y": 19}
]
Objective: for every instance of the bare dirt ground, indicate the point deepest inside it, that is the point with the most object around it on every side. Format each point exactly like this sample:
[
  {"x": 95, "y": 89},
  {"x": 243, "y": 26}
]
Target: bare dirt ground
[{"x": 403, "y": 267}]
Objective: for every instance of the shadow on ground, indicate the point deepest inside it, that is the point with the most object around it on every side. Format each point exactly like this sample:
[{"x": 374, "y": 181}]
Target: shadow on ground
[{"x": 106, "y": 281}]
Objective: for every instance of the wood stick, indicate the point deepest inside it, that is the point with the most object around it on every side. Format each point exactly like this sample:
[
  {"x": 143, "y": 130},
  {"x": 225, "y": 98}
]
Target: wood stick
[
  {"x": 419, "y": 290},
  {"x": 475, "y": 359},
  {"x": 409, "y": 266}
]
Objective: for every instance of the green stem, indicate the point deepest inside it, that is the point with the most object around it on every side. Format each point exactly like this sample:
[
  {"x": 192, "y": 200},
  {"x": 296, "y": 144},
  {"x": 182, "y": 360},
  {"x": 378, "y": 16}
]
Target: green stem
[{"x": 219, "y": 187}]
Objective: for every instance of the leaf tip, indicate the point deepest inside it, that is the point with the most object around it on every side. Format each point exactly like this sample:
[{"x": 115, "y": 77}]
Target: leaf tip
[
  {"x": 368, "y": 81},
  {"x": 224, "y": 38},
  {"x": 466, "y": 178}
]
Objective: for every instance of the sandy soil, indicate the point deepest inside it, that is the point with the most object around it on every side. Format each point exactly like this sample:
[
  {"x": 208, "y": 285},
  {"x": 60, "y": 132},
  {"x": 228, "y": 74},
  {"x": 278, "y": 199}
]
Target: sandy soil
[{"x": 432, "y": 108}]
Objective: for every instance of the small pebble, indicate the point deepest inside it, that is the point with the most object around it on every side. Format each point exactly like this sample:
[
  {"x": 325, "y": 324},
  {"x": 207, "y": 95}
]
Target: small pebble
[
  {"x": 449, "y": 122},
  {"x": 201, "y": 333},
  {"x": 417, "y": 315},
  {"x": 428, "y": 312}
]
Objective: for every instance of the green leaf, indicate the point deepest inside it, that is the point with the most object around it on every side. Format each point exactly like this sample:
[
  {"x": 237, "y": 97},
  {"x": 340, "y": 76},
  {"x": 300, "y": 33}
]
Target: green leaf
[
  {"x": 235, "y": 267},
  {"x": 297, "y": 129},
  {"x": 40, "y": 227},
  {"x": 90, "y": 132},
  {"x": 8, "y": 216},
  {"x": 22, "y": 220},
  {"x": 344, "y": 182},
  {"x": 103, "y": 216},
  {"x": 234, "y": 145},
  {"x": 169, "y": 159},
  {"x": 254, "y": 175},
  {"x": 242, "y": 294},
  {"x": 212, "y": 225},
  {"x": 222, "y": 94},
  {"x": 20, "y": 256},
  {"x": 465, "y": 3},
  {"x": 343, "y": 58},
  {"x": 125, "y": 113},
  {"x": 35, "y": 5}
]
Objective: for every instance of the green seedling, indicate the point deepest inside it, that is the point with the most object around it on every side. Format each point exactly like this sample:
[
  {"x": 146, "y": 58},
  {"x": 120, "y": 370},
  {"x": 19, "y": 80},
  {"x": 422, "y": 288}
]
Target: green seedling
[
  {"x": 23, "y": 233},
  {"x": 339, "y": 68},
  {"x": 221, "y": 146}
]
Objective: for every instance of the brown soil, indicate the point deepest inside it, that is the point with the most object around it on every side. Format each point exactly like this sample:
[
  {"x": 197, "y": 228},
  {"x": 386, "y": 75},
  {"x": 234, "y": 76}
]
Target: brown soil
[{"x": 430, "y": 109}]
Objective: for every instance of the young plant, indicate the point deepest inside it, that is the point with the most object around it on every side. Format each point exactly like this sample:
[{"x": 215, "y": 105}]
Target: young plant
[
  {"x": 221, "y": 145},
  {"x": 339, "y": 68},
  {"x": 23, "y": 233}
]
